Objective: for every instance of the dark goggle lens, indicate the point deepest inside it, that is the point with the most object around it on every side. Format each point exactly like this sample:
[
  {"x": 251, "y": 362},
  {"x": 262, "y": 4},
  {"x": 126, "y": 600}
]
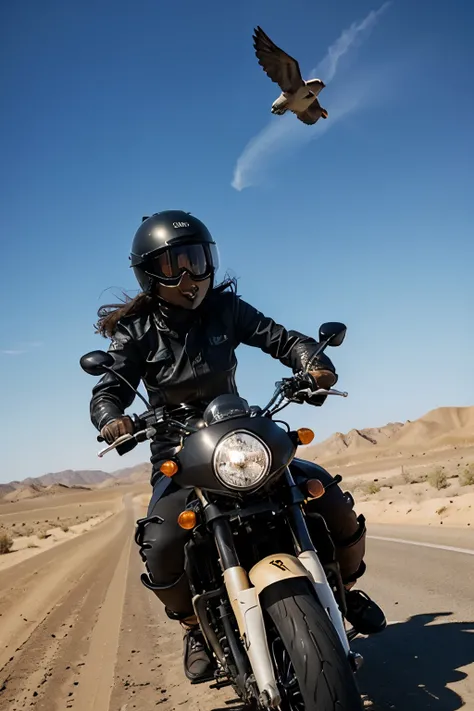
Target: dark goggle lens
[{"x": 172, "y": 263}]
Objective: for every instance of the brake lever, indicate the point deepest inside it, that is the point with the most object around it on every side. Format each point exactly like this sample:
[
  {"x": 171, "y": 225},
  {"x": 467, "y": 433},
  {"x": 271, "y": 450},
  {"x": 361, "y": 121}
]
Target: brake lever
[
  {"x": 322, "y": 391},
  {"x": 121, "y": 440}
]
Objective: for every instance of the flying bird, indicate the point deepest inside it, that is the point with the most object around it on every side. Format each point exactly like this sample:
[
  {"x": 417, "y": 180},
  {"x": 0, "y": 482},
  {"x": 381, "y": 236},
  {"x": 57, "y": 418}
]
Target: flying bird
[{"x": 298, "y": 95}]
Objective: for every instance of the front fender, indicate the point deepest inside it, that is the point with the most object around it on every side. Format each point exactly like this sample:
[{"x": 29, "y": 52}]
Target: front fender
[
  {"x": 275, "y": 568},
  {"x": 279, "y": 567}
]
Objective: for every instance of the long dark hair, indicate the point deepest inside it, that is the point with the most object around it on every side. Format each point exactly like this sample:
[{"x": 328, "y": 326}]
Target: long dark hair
[
  {"x": 141, "y": 305},
  {"x": 110, "y": 314}
]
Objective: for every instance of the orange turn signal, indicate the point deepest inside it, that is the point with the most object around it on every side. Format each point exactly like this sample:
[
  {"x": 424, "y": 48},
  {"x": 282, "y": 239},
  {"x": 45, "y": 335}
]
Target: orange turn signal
[
  {"x": 187, "y": 520},
  {"x": 169, "y": 468},
  {"x": 305, "y": 435},
  {"x": 315, "y": 488}
]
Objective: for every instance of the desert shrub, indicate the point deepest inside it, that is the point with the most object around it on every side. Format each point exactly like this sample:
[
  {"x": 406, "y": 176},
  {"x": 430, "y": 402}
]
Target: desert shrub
[
  {"x": 407, "y": 476},
  {"x": 6, "y": 543},
  {"x": 390, "y": 483},
  {"x": 353, "y": 484},
  {"x": 438, "y": 479},
  {"x": 371, "y": 488},
  {"x": 467, "y": 476},
  {"x": 65, "y": 528},
  {"x": 26, "y": 530},
  {"x": 43, "y": 534},
  {"x": 441, "y": 510},
  {"x": 410, "y": 477}
]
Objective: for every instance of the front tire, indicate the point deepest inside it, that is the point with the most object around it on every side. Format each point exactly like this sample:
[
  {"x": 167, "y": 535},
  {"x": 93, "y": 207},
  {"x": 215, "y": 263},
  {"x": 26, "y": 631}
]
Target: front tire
[{"x": 310, "y": 663}]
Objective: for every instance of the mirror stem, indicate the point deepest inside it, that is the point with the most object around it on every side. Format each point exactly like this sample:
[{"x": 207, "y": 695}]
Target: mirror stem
[{"x": 322, "y": 346}]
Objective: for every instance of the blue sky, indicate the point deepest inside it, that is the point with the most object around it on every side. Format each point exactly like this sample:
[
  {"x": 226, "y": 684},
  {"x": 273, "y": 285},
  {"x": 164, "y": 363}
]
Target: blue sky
[{"x": 113, "y": 110}]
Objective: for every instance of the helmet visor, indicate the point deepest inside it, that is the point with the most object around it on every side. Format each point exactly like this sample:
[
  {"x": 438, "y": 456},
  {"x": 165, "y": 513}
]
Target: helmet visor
[{"x": 196, "y": 259}]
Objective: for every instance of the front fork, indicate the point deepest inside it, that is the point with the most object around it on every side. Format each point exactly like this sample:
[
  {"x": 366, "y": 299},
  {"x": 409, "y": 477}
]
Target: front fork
[
  {"x": 245, "y": 606},
  {"x": 309, "y": 558}
]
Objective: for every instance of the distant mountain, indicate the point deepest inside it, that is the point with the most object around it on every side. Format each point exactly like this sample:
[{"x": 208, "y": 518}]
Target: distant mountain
[
  {"x": 6, "y": 489},
  {"x": 131, "y": 475},
  {"x": 32, "y": 491},
  {"x": 438, "y": 429},
  {"x": 70, "y": 477},
  {"x": 32, "y": 487},
  {"x": 134, "y": 475}
]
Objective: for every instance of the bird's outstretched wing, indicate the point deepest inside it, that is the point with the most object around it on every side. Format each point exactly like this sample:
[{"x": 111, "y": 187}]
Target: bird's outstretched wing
[
  {"x": 312, "y": 114},
  {"x": 277, "y": 64},
  {"x": 308, "y": 118}
]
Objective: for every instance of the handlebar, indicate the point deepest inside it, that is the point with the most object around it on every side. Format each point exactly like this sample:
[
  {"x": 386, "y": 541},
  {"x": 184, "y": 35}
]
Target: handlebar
[
  {"x": 298, "y": 389},
  {"x": 294, "y": 390}
]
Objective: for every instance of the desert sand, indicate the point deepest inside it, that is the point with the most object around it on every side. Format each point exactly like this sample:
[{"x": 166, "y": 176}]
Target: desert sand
[
  {"x": 78, "y": 630},
  {"x": 419, "y": 472}
]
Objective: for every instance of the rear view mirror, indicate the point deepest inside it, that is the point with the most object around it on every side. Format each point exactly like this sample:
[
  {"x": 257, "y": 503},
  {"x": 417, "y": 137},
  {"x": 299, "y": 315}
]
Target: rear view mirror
[
  {"x": 96, "y": 362},
  {"x": 333, "y": 332}
]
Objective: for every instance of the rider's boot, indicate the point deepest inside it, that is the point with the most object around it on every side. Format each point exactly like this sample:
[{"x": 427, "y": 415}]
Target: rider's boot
[
  {"x": 365, "y": 616},
  {"x": 197, "y": 665}
]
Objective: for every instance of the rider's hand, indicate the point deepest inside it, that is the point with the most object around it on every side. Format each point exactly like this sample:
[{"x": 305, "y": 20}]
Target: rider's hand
[
  {"x": 324, "y": 378},
  {"x": 117, "y": 428}
]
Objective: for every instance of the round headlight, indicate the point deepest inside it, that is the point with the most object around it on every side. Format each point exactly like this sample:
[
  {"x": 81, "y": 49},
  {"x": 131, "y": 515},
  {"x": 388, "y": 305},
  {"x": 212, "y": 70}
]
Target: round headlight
[{"x": 241, "y": 460}]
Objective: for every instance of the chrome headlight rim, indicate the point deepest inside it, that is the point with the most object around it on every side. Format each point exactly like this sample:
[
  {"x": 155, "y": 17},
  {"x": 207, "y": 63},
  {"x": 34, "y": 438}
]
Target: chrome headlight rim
[{"x": 263, "y": 477}]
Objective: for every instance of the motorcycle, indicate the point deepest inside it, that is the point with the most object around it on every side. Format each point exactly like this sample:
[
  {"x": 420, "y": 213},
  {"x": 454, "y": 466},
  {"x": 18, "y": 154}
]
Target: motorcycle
[{"x": 270, "y": 609}]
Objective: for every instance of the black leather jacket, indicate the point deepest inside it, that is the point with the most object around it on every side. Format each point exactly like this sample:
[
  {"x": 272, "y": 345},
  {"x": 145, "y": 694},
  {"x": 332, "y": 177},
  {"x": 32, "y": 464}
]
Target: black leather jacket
[{"x": 193, "y": 365}]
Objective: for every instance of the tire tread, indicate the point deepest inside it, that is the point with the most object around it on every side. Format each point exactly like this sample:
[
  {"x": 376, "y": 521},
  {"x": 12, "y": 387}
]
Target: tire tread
[{"x": 324, "y": 674}]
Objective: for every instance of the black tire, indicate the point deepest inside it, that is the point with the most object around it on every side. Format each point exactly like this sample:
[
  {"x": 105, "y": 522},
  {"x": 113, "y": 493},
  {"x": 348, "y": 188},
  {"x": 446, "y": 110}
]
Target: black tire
[{"x": 299, "y": 627}]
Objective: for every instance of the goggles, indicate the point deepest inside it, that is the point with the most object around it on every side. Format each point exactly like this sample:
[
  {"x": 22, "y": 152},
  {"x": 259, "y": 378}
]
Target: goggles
[{"x": 198, "y": 260}]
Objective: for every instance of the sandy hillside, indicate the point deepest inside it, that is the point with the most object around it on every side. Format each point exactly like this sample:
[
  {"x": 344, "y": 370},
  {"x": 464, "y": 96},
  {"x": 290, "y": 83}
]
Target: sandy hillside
[
  {"x": 438, "y": 430},
  {"x": 131, "y": 475},
  {"x": 419, "y": 472},
  {"x": 431, "y": 495},
  {"x": 33, "y": 491}
]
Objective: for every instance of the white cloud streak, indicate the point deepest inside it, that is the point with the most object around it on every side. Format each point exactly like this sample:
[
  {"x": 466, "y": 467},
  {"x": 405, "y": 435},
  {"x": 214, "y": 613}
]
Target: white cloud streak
[
  {"x": 328, "y": 66},
  {"x": 23, "y": 348},
  {"x": 284, "y": 133}
]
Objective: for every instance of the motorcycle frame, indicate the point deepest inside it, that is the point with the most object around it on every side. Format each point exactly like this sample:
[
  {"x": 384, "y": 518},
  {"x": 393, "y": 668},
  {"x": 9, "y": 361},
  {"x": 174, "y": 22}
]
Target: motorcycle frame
[{"x": 244, "y": 588}]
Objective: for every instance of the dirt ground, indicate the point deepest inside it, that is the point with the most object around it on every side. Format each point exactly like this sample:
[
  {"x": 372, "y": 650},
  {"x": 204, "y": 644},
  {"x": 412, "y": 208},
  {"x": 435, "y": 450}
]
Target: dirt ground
[
  {"x": 434, "y": 490},
  {"x": 78, "y": 630}
]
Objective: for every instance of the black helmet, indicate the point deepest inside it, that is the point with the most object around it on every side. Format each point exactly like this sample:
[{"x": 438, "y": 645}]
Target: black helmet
[{"x": 170, "y": 243}]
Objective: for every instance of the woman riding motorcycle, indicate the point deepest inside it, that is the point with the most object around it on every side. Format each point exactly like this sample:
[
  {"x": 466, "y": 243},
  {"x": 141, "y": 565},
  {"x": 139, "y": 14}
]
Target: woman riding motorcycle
[{"x": 179, "y": 337}]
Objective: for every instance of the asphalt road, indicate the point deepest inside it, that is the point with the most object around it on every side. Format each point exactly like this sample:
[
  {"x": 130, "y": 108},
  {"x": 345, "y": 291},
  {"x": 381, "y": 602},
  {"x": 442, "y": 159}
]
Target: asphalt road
[{"x": 425, "y": 658}]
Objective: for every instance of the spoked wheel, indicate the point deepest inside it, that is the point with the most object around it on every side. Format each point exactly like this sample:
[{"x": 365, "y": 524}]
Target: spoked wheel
[
  {"x": 311, "y": 666},
  {"x": 292, "y": 699}
]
